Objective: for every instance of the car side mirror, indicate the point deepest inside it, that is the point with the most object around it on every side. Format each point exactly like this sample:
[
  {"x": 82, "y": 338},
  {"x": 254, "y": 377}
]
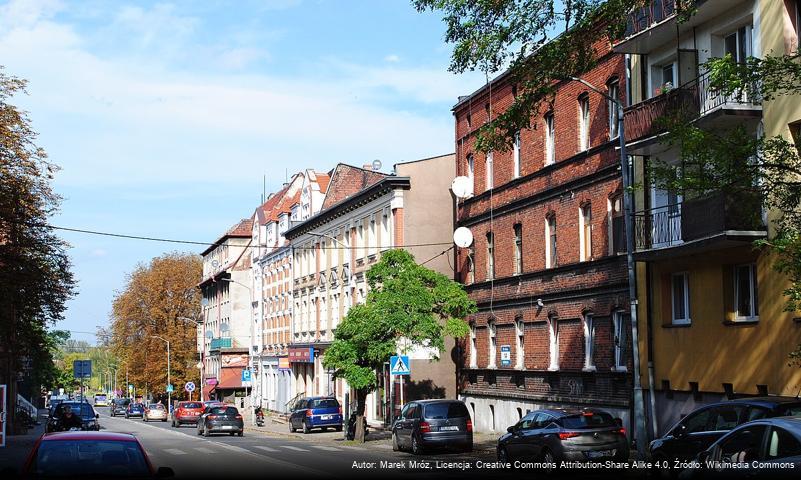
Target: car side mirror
[
  {"x": 165, "y": 472},
  {"x": 97, "y": 415},
  {"x": 511, "y": 429},
  {"x": 681, "y": 431},
  {"x": 619, "y": 421}
]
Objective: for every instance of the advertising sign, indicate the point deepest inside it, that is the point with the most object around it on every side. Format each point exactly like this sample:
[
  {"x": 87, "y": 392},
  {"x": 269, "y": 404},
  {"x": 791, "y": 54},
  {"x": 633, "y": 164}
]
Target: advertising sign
[
  {"x": 506, "y": 356},
  {"x": 301, "y": 355}
]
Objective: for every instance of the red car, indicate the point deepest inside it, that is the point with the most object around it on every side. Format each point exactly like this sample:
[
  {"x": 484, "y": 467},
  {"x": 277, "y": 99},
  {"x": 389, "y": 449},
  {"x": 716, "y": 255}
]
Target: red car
[
  {"x": 90, "y": 454},
  {"x": 187, "y": 412}
]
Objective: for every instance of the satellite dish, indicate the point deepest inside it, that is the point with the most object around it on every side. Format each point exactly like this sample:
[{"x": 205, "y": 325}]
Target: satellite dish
[
  {"x": 376, "y": 165},
  {"x": 209, "y": 334},
  {"x": 215, "y": 263},
  {"x": 223, "y": 327},
  {"x": 462, "y": 187},
  {"x": 463, "y": 237},
  {"x": 204, "y": 302}
]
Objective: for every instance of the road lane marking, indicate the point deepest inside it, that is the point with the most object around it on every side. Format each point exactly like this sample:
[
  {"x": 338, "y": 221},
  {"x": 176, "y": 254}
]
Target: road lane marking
[
  {"x": 292, "y": 447},
  {"x": 266, "y": 449},
  {"x": 326, "y": 448},
  {"x": 174, "y": 451},
  {"x": 204, "y": 450},
  {"x": 274, "y": 461}
]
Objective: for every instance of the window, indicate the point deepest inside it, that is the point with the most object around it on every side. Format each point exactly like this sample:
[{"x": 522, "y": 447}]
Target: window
[
  {"x": 584, "y": 122},
  {"x": 469, "y": 120},
  {"x": 473, "y": 347},
  {"x": 488, "y": 170},
  {"x": 518, "y": 249},
  {"x": 520, "y": 348},
  {"x": 743, "y": 446},
  {"x": 613, "y": 90},
  {"x": 589, "y": 343},
  {"x": 668, "y": 79},
  {"x": 745, "y": 292},
  {"x": 551, "y": 258},
  {"x": 516, "y": 156},
  {"x": 491, "y": 331},
  {"x": 490, "y": 256},
  {"x": 725, "y": 418},
  {"x": 680, "y": 298},
  {"x": 738, "y": 44},
  {"x": 471, "y": 166},
  {"x": 553, "y": 343},
  {"x": 585, "y": 232},
  {"x": 617, "y": 225},
  {"x": 550, "y": 140},
  {"x": 697, "y": 422},
  {"x": 782, "y": 444},
  {"x": 619, "y": 322},
  {"x": 471, "y": 264}
]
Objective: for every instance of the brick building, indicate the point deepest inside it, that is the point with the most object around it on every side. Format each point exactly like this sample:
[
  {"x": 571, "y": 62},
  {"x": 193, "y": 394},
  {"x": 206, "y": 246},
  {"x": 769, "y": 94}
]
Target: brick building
[{"x": 547, "y": 265}]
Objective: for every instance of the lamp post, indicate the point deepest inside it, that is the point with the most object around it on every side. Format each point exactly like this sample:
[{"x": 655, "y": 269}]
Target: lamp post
[
  {"x": 169, "y": 394},
  {"x": 639, "y": 403},
  {"x": 250, "y": 345},
  {"x": 202, "y": 351}
]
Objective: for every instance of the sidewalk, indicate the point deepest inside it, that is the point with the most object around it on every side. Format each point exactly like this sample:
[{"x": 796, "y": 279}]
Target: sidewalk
[{"x": 17, "y": 448}]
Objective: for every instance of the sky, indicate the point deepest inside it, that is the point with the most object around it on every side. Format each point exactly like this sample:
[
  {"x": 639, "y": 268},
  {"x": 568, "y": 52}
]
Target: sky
[{"x": 165, "y": 118}]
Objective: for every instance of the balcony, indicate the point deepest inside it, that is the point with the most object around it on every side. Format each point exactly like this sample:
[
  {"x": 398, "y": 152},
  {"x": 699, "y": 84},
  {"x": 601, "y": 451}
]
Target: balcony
[
  {"x": 693, "y": 99},
  {"x": 220, "y": 343},
  {"x": 716, "y": 221}
]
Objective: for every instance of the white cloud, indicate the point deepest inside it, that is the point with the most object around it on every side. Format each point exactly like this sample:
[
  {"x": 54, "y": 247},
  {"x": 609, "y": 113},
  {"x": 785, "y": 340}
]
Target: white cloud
[
  {"x": 392, "y": 58},
  {"x": 99, "y": 252}
]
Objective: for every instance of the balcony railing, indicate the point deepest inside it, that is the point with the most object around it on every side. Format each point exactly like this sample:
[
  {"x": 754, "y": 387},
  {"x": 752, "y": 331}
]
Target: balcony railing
[
  {"x": 658, "y": 228},
  {"x": 218, "y": 343},
  {"x": 645, "y": 17}
]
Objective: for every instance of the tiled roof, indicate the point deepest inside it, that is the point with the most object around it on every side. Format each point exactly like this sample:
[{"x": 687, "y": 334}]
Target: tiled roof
[
  {"x": 241, "y": 229},
  {"x": 347, "y": 181}
]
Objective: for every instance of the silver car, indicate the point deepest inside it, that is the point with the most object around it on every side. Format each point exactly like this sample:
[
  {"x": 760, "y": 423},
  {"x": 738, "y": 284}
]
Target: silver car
[{"x": 154, "y": 411}]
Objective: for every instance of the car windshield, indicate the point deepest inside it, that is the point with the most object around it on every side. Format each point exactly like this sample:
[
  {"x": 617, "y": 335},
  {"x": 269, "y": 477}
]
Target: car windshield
[
  {"x": 588, "y": 420},
  {"x": 223, "y": 410},
  {"x": 156, "y": 406},
  {"x": 325, "y": 403},
  {"x": 136, "y": 405},
  {"x": 83, "y": 458},
  {"x": 445, "y": 410},
  {"x": 83, "y": 410},
  {"x": 192, "y": 405}
]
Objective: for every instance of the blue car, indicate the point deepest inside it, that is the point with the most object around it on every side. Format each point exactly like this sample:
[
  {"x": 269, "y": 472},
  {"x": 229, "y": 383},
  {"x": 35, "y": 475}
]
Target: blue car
[
  {"x": 134, "y": 410},
  {"x": 316, "y": 412}
]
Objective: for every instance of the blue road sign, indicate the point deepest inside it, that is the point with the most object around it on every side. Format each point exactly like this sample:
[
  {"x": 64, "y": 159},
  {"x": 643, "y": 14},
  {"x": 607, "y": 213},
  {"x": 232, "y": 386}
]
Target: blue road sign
[
  {"x": 246, "y": 376},
  {"x": 189, "y": 387},
  {"x": 82, "y": 368},
  {"x": 506, "y": 355},
  {"x": 399, "y": 365},
  {"x": 169, "y": 388}
]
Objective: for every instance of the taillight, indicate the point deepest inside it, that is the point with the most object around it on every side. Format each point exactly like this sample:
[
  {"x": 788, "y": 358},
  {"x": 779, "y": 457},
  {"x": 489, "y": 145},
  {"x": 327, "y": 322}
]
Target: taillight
[
  {"x": 212, "y": 417},
  {"x": 425, "y": 427},
  {"x": 239, "y": 417},
  {"x": 566, "y": 435},
  {"x": 308, "y": 413},
  {"x": 621, "y": 431},
  {"x": 339, "y": 410},
  {"x": 469, "y": 425}
]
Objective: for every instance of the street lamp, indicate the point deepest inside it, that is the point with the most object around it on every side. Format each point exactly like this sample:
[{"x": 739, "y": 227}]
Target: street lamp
[
  {"x": 202, "y": 353},
  {"x": 639, "y": 403},
  {"x": 169, "y": 393},
  {"x": 250, "y": 345}
]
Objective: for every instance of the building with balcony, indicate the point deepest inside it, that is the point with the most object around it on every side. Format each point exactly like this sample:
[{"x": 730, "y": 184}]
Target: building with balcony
[
  {"x": 271, "y": 261},
  {"x": 547, "y": 267},
  {"x": 710, "y": 304},
  {"x": 227, "y": 312},
  {"x": 364, "y": 213}
]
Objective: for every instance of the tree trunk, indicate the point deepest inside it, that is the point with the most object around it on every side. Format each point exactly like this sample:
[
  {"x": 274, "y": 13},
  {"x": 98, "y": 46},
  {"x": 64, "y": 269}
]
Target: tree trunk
[{"x": 361, "y": 403}]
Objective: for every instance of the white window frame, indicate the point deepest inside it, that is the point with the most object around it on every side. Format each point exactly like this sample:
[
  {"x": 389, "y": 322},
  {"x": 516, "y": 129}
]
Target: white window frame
[
  {"x": 491, "y": 344},
  {"x": 753, "y": 292},
  {"x": 549, "y": 254},
  {"x": 489, "y": 171},
  {"x": 618, "y": 340},
  {"x": 471, "y": 170},
  {"x": 516, "y": 156},
  {"x": 473, "y": 348},
  {"x": 584, "y": 122},
  {"x": 550, "y": 139},
  {"x": 518, "y": 248},
  {"x": 490, "y": 256},
  {"x": 686, "y": 281},
  {"x": 585, "y": 243},
  {"x": 553, "y": 343},
  {"x": 589, "y": 342},
  {"x": 520, "y": 344}
]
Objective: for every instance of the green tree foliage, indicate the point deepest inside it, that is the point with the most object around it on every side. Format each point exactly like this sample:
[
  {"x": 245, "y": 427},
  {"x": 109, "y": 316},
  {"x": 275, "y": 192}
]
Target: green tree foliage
[
  {"x": 407, "y": 306},
  {"x": 34, "y": 268}
]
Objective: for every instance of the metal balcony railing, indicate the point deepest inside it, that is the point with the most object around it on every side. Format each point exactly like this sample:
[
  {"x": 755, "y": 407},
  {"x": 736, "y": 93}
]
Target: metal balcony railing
[
  {"x": 645, "y": 17},
  {"x": 658, "y": 227}
]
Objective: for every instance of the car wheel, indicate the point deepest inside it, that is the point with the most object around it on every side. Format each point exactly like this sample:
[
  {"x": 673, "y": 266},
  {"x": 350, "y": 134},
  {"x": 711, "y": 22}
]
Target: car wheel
[
  {"x": 291, "y": 428},
  {"x": 232, "y": 434},
  {"x": 417, "y": 448},
  {"x": 306, "y": 427},
  {"x": 395, "y": 446},
  {"x": 503, "y": 455},
  {"x": 240, "y": 433},
  {"x": 163, "y": 419},
  {"x": 548, "y": 461},
  {"x": 339, "y": 428}
]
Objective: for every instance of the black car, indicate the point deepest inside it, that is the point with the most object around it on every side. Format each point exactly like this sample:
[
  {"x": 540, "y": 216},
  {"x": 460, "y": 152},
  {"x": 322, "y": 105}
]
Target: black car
[
  {"x": 220, "y": 419},
  {"x": 424, "y": 424},
  {"x": 83, "y": 410},
  {"x": 550, "y": 436},
  {"x": 697, "y": 431},
  {"x": 119, "y": 406},
  {"x": 769, "y": 447}
]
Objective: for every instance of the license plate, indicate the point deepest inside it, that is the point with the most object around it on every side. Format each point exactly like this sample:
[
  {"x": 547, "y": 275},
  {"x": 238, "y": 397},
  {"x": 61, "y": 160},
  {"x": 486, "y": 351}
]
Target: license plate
[
  {"x": 227, "y": 427},
  {"x": 601, "y": 453},
  {"x": 449, "y": 428},
  {"x": 325, "y": 417}
]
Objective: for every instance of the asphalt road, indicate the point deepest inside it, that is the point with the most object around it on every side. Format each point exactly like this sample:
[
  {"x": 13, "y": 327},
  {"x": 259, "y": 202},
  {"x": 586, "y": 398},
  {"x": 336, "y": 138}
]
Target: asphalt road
[{"x": 256, "y": 455}]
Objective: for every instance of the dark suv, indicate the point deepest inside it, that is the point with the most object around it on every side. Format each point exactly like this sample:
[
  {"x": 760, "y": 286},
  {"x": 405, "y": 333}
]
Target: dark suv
[
  {"x": 697, "y": 431},
  {"x": 119, "y": 406},
  {"x": 423, "y": 424}
]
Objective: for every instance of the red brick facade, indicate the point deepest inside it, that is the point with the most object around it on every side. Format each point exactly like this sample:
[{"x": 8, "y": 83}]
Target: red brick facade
[{"x": 574, "y": 286}]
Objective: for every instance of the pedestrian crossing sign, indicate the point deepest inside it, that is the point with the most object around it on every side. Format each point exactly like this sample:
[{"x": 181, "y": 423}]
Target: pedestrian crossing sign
[{"x": 399, "y": 365}]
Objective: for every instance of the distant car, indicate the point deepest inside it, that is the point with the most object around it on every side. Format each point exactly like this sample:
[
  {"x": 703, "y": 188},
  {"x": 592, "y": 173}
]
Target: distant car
[
  {"x": 154, "y": 411},
  {"x": 134, "y": 410},
  {"x": 90, "y": 455},
  {"x": 187, "y": 413},
  {"x": 570, "y": 434},
  {"x": 750, "y": 449},
  {"x": 424, "y": 424},
  {"x": 119, "y": 406},
  {"x": 221, "y": 419},
  {"x": 701, "y": 428},
  {"x": 316, "y": 412},
  {"x": 100, "y": 400},
  {"x": 83, "y": 410}
]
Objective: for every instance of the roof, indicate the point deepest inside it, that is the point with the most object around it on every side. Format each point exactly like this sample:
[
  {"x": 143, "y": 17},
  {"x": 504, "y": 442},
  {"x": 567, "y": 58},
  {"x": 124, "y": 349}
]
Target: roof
[
  {"x": 241, "y": 229},
  {"x": 105, "y": 436},
  {"x": 347, "y": 181}
]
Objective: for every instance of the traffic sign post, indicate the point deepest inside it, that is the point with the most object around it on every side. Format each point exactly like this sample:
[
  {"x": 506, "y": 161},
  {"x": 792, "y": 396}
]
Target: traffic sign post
[
  {"x": 82, "y": 369},
  {"x": 169, "y": 388},
  {"x": 189, "y": 387},
  {"x": 246, "y": 377},
  {"x": 399, "y": 365}
]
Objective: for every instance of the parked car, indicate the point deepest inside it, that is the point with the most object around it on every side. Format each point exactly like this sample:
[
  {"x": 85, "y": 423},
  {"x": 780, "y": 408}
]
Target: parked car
[
  {"x": 309, "y": 413},
  {"x": 90, "y": 455},
  {"x": 154, "y": 411},
  {"x": 424, "y": 424},
  {"x": 83, "y": 410},
  {"x": 750, "y": 449},
  {"x": 221, "y": 419},
  {"x": 119, "y": 406},
  {"x": 134, "y": 410},
  {"x": 701, "y": 428},
  {"x": 570, "y": 434},
  {"x": 187, "y": 412}
]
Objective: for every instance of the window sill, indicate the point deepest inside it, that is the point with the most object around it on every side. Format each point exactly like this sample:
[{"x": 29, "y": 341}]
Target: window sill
[
  {"x": 589, "y": 369},
  {"x": 553, "y": 368},
  {"x": 744, "y": 321},
  {"x": 678, "y": 325},
  {"x": 620, "y": 369}
]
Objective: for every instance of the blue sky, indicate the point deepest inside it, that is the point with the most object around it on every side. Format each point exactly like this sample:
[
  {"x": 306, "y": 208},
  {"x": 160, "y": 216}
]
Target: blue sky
[{"x": 165, "y": 116}]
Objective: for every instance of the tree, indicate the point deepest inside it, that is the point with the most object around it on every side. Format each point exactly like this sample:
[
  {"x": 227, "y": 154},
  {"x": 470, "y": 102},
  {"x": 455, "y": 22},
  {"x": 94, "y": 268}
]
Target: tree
[
  {"x": 35, "y": 271},
  {"x": 407, "y": 306},
  {"x": 153, "y": 300}
]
